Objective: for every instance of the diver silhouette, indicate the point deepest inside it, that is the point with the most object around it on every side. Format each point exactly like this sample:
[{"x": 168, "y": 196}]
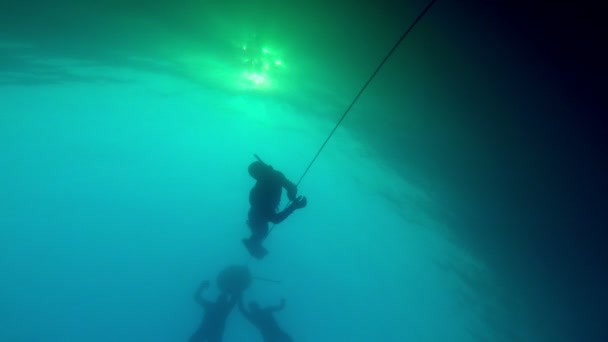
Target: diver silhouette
[
  {"x": 264, "y": 199},
  {"x": 212, "y": 327},
  {"x": 263, "y": 319}
]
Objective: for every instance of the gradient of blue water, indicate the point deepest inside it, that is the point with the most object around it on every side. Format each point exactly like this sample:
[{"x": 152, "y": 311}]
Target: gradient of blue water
[{"x": 118, "y": 199}]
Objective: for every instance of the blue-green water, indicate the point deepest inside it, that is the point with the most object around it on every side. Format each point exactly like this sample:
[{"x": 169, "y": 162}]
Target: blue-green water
[
  {"x": 461, "y": 199},
  {"x": 120, "y": 200}
]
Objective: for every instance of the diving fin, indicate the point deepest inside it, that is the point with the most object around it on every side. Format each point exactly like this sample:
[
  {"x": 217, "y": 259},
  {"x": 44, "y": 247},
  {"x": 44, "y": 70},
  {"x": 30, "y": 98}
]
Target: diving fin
[{"x": 255, "y": 248}]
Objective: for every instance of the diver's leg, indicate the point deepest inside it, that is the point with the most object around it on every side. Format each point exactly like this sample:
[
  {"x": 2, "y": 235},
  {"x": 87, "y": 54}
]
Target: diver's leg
[
  {"x": 258, "y": 223},
  {"x": 259, "y": 232}
]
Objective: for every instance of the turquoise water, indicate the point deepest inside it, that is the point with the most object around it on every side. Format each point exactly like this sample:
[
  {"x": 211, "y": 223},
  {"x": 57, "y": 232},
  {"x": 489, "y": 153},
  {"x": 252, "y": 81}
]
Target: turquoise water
[
  {"x": 455, "y": 203},
  {"x": 122, "y": 199}
]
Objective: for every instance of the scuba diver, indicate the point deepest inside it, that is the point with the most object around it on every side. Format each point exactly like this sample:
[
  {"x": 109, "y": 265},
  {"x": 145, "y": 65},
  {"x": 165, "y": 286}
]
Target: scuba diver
[
  {"x": 263, "y": 319},
  {"x": 211, "y": 328},
  {"x": 264, "y": 199}
]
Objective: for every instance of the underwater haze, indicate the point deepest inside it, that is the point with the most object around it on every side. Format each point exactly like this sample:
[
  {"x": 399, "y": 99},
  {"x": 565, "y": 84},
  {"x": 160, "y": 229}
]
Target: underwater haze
[{"x": 462, "y": 198}]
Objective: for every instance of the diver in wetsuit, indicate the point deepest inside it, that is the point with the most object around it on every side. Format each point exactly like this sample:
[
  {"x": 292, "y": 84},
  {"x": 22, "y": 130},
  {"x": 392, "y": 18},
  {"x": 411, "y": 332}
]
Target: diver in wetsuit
[
  {"x": 264, "y": 199},
  {"x": 212, "y": 327},
  {"x": 263, "y": 319}
]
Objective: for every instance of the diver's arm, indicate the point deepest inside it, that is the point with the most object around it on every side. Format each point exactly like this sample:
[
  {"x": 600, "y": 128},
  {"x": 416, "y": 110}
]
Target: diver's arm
[
  {"x": 299, "y": 203},
  {"x": 282, "y": 215},
  {"x": 198, "y": 295},
  {"x": 290, "y": 187},
  {"x": 277, "y": 307}
]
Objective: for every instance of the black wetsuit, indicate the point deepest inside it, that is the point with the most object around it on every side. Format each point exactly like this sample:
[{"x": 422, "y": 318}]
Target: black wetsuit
[
  {"x": 264, "y": 320},
  {"x": 264, "y": 199},
  {"x": 214, "y": 321}
]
